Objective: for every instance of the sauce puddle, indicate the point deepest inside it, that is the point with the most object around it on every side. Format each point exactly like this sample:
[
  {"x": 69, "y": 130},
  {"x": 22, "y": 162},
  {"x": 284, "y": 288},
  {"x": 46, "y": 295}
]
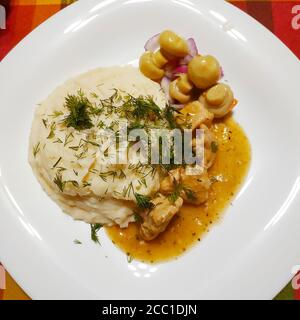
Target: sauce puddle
[{"x": 192, "y": 222}]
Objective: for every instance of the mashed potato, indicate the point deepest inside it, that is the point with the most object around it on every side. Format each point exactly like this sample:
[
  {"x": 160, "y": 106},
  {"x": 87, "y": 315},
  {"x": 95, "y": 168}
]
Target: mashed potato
[{"x": 66, "y": 161}]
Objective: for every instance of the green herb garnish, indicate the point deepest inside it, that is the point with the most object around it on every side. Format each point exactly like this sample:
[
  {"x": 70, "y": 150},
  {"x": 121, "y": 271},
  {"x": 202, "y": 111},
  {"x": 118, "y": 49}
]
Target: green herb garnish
[
  {"x": 52, "y": 131},
  {"x": 59, "y": 182},
  {"x": 56, "y": 114},
  {"x": 126, "y": 191},
  {"x": 45, "y": 122},
  {"x": 176, "y": 192},
  {"x": 141, "y": 108},
  {"x": 57, "y": 162},
  {"x": 94, "y": 229},
  {"x": 86, "y": 184},
  {"x": 77, "y": 241},
  {"x": 36, "y": 149},
  {"x": 190, "y": 194},
  {"x": 169, "y": 116},
  {"x": 129, "y": 258},
  {"x": 58, "y": 141},
  {"x": 79, "y": 117},
  {"x": 143, "y": 202},
  {"x": 74, "y": 183},
  {"x": 138, "y": 218},
  {"x": 68, "y": 138}
]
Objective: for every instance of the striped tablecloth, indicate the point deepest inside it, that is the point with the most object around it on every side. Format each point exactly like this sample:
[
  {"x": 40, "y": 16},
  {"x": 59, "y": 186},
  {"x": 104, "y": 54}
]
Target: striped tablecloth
[{"x": 280, "y": 17}]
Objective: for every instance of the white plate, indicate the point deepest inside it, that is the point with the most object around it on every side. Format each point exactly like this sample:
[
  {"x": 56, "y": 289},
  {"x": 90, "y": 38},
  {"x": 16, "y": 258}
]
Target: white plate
[{"x": 250, "y": 254}]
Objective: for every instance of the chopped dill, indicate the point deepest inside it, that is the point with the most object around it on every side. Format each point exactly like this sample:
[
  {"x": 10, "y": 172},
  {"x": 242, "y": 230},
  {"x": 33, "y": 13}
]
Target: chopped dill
[
  {"x": 105, "y": 175},
  {"x": 101, "y": 124},
  {"x": 190, "y": 194},
  {"x": 86, "y": 184},
  {"x": 113, "y": 125},
  {"x": 58, "y": 140},
  {"x": 59, "y": 182},
  {"x": 176, "y": 192},
  {"x": 56, "y": 114},
  {"x": 36, "y": 149},
  {"x": 143, "y": 182},
  {"x": 76, "y": 241},
  {"x": 81, "y": 155},
  {"x": 78, "y": 106},
  {"x": 57, "y": 162},
  {"x": 52, "y": 131},
  {"x": 138, "y": 218},
  {"x": 94, "y": 95},
  {"x": 45, "y": 123},
  {"x": 140, "y": 108},
  {"x": 126, "y": 191},
  {"x": 92, "y": 143},
  {"x": 143, "y": 202},
  {"x": 94, "y": 230},
  {"x": 169, "y": 116},
  {"x": 68, "y": 138},
  {"x": 75, "y": 148},
  {"x": 129, "y": 258},
  {"x": 105, "y": 153},
  {"x": 74, "y": 183},
  {"x": 122, "y": 174}
]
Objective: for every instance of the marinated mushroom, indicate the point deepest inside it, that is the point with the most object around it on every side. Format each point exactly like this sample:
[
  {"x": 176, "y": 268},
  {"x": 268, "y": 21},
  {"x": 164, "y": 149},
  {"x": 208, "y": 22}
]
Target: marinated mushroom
[
  {"x": 219, "y": 100},
  {"x": 181, "y": 88},
  {"x": 172, "y": 44},
  {"x": 204, "y": 71},
  {"x": 151, "y": 65}
]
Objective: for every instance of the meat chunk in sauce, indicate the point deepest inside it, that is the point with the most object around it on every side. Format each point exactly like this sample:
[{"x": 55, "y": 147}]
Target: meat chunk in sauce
[
  {"x": 193, "y": 115},
  {"x": 210, "y": 146},
  {"x": 195, "y": 188},
  {"x": 192, "y": 188},
  {"x": 157, "y": 220},
  {"x": 188, "y": 188}
]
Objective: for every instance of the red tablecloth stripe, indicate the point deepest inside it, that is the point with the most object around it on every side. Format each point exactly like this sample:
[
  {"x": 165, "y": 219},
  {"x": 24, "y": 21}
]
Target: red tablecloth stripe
[{"x": 284, "y": 24}]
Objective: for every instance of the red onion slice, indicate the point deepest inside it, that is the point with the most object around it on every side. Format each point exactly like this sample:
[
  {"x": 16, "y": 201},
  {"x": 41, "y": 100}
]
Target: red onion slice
[
  {"x": 181, "y": 69},
  {"x": 222, "y": 72},
  {"x": 165, "y": 85},
  {"x": 153, "y": 43},
  {"x": 193, "y": 51},
  {"x": 186, "y": 60},
  {"x": 170, "y": 69},
  {"x": 174, "y": 70}
]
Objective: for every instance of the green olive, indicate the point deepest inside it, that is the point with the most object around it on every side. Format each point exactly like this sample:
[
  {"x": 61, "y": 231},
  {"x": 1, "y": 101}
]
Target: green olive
[
  {"x": 219, "y": 100},
  {"x": 204, "y": 71}
]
